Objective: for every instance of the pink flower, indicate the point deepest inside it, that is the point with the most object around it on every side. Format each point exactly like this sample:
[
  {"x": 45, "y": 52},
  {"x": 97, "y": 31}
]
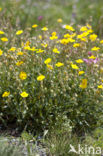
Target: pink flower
[
  {"x": 90, "y": 61},
  {"x": 40, "y": 18}
]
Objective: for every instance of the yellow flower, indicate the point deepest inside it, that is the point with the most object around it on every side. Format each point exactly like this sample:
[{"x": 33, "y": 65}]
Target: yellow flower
[
  {"x": 101, "y": 41},
  {"x": 32, "y": 49},
  {"x": 95, "y": 48},
  {"x": 64, "y": 41},
  {"x": 59, "y": 64},
  {"x": 53, "y": 37},
  {"x": 1, "y": 32},
  {"x": 66, "y": 35},
  {"x": 1, "y": 52},
  {"x": 50, "y": 67},
  {"x": 89, "y": 26},
  {"x": 24, "y": 94},
  {"x": 79, "y": 36},
  {"x": 0, "y": 9},
  {"x": 6, "y": 94},
  {"x": 76, "y": 45},
  {"x": 44, "y": 45},
  {"x": 83, "y": 28},
  {"x": 27, "y": 47},
  {"x": 84, "y": 34},
  {"x": 23, "y": 75},
  {"x": 55, "y": 50},
  {"x": 34, "y": 26},
  {"x": 40, "y": 77},
  {"x": 92, "y": 57},
  {"x": 4, "y": 39},
  {"x": 84, "y": 39},
  {"x": 71, "y": 40},
  {"x": 48, "y": 60},
  {"x": 19, "y": 32},
  {"x": 40, "y": 37},
  {"x": 72, "y": 35},
  {"x": 20, "y": 53},
  {"x": 93, "y": 37},
  {"x": 12, "y": 49},
  {"x": 54, "y": 33},
  {"x": 40, "y": 51},
  {"x": 83, "y": 85},
  {"x": 59, "y": 20},
  {"x": 100, "y": 86},
  {"x": 74, "y": 66},
  {"x": 90, "y": 31},
  {"x": 68, "y": 27},
  {"x": 19, "y": 63},
  {"x": 79, "y": 61},
  {"x": 27, "y": 43},
  {"x": 44, "y": 29},
  {"x": 81, "y": 72}
]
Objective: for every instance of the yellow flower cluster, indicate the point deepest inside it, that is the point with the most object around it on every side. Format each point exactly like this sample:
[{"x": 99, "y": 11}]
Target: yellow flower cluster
[{"x": 52, "y": 55}]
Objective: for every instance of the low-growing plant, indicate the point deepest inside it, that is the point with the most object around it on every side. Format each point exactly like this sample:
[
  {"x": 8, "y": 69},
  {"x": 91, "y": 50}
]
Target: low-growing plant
[{"x": 52, "y": 77}]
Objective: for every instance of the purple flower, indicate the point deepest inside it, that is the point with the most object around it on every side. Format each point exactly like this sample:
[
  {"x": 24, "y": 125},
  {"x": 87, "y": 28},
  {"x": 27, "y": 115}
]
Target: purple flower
[
  {"x": 86, "y": 60},
  {"x": 40, "y": 18},
  {"x": 89, "y": 53},
  {"x": 96, "y": 60}
]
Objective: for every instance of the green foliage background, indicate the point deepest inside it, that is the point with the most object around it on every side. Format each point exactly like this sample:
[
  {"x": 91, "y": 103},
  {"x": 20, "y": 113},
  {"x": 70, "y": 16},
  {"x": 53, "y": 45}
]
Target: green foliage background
[{"x": 26, "y": 12}]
